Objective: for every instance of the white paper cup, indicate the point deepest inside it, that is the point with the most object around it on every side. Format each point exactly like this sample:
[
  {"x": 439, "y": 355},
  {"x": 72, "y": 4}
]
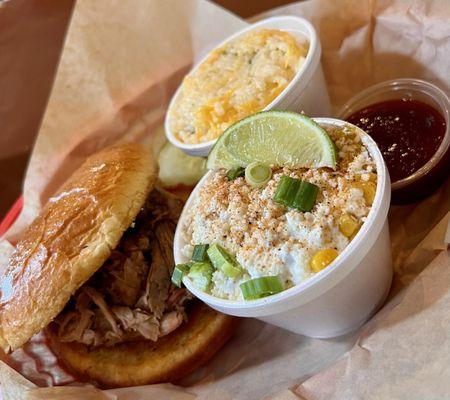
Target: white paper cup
[
  {"x": 306, "y": 92},
  {"x": 337, "y": 299}
]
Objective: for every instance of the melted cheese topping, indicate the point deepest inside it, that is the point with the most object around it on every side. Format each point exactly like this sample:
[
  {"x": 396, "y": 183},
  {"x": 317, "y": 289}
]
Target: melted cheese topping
[{"x": 236, "y": 80}]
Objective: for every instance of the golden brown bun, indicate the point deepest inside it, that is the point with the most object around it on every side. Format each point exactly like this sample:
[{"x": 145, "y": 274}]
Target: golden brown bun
[
  {"x": 146, "y": 362},
  {"x": 71, "y": 239}
]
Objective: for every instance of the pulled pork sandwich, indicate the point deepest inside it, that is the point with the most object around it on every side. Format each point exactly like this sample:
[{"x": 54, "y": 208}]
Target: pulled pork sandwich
[{"x": 94, "y": 268}]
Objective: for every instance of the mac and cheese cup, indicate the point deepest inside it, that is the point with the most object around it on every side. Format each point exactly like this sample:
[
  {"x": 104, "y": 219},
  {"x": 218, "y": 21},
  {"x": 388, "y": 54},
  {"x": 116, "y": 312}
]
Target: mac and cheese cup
[{"x": 306, "y": 92}]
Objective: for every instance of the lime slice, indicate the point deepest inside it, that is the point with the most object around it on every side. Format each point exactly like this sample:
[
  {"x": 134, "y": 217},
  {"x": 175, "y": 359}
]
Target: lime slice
[{"x": 277, "y": 138}]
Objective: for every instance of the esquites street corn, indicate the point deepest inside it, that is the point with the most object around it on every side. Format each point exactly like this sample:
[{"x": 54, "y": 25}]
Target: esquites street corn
[{"x": 249, "y": 227}]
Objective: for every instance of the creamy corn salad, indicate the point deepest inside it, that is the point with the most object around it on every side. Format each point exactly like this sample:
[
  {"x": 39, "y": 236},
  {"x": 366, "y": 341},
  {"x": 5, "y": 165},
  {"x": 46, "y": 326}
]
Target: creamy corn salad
[
  {"x": 236, "y": 80},
  {"x": 267, "y": 238}
]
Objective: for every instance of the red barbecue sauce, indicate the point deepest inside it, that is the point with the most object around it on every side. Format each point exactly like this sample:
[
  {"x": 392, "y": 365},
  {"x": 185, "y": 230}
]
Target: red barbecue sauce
[{"x": 408, "y": 133}]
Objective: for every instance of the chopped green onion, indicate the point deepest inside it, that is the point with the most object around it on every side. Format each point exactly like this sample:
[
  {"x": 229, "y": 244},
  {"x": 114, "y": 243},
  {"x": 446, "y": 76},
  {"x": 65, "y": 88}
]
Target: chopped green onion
[
  {"x": 286, "y": 190},
  {"x": 261, "y": 287},
  {"x": 179, "y": 272},
  {"x": 257, "y": 174},
  {"x": 295, "y": 193},
  {"x": 306, "y": 196},
  {"x": 234, "y": 173},
  {"x": 201, "y": 275},
  {"x": 199, "y": 254},
  {"x": 224, "y": 261}
]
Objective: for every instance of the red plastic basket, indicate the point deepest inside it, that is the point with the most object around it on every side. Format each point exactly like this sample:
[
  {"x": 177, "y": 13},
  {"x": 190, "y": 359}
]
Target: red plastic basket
[{"x": 11, "y": 216}]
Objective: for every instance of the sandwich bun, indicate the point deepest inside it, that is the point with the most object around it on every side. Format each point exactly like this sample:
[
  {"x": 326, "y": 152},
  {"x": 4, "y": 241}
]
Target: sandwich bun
[
  {"x": 146, "y": 362},
  {"x": 71, "y": 239}
]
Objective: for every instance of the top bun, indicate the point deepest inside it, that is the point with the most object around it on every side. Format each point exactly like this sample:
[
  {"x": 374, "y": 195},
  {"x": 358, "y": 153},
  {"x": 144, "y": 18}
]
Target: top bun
[{"x": 71, "y": 239}]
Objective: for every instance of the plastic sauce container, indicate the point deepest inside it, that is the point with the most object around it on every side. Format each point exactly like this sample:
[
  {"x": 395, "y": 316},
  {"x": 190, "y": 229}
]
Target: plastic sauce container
[
  {"x": 337, "y": 299},
  {"x": 431, "y": 175},
  {"x": 306, "y": 92}
]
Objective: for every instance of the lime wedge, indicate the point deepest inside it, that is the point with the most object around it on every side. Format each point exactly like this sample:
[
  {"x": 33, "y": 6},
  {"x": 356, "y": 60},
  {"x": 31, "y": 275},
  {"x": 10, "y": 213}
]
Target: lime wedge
[{"x": 277, "y": 138}]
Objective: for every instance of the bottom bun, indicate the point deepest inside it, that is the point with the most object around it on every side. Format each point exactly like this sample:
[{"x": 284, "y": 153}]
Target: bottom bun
[{"x": 146, "y": 362}]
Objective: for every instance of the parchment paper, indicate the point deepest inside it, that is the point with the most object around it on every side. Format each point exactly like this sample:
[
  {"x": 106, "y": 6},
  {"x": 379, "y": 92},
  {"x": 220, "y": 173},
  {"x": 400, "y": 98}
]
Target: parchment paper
[{"x": 117, "y": 72}]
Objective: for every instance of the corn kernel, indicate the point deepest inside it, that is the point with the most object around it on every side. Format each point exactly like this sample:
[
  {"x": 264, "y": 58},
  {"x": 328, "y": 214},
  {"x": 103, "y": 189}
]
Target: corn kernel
[
  {"x": 369, "y": 189},
  {"x": 354, "y": 233},
  {"x": 348, "y": 224},
  {"x": 322, "y": 259},
  {"x": 372, "y": 177}
]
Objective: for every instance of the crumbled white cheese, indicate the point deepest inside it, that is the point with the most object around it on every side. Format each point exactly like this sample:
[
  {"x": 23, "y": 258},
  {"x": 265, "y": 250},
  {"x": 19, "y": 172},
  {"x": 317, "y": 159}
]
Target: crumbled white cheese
[{"x": 269, "y": 239}]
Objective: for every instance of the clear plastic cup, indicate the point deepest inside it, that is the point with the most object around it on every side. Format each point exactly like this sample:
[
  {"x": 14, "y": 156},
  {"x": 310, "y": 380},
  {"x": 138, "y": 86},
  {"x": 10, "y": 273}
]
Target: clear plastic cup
[
  {"x": 431, "y": 175},
  {"x": 306, "y": 92},
  {"x": 337, "y": 299}
]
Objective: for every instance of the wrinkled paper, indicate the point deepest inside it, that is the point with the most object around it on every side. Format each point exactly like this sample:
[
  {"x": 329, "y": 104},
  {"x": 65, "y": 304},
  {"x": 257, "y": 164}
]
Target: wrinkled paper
[{"x": 117, "y": 73}]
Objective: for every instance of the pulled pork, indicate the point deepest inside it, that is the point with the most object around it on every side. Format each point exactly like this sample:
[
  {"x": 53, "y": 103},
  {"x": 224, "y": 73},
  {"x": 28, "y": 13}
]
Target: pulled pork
[{"x": 131, "y": 296}]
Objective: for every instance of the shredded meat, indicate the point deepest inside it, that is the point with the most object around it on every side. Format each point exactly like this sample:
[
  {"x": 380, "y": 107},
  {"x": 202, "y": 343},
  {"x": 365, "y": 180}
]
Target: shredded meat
[
  {"x": 158, "y": 282},
  {"x": 138, "y": 321},
  {"x": 131, "y": 296},
  {"x": 170, "y": 322}
]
